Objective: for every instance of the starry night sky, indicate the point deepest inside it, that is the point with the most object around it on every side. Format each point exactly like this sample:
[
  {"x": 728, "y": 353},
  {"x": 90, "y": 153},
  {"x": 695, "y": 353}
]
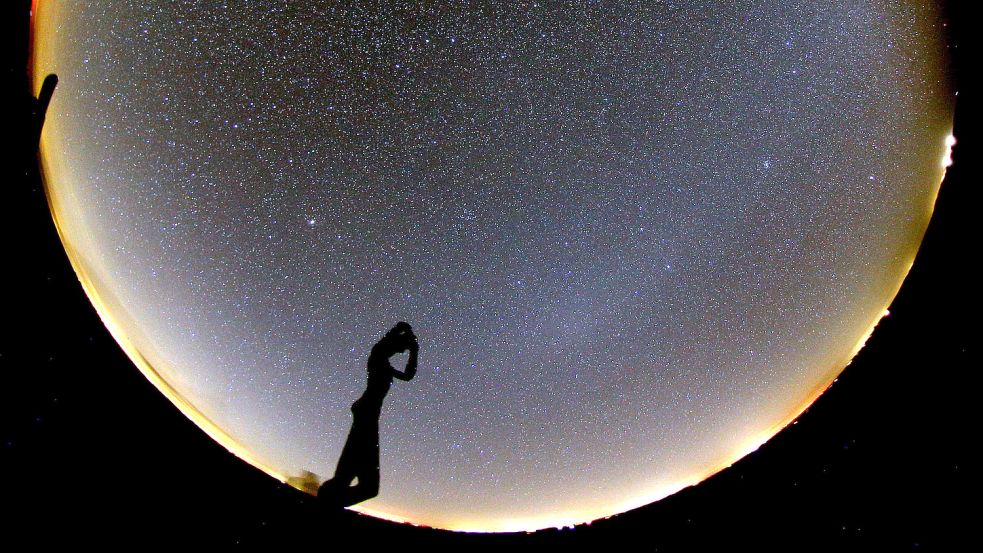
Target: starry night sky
[{"x": 634, "y": 239}]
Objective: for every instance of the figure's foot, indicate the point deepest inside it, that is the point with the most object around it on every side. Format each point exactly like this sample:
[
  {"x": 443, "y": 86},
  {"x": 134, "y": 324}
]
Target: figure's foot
[{"x": 329, "y": 495}]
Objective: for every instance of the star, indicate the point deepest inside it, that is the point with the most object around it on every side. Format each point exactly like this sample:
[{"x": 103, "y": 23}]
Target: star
[{"x": 633, "y": 239}]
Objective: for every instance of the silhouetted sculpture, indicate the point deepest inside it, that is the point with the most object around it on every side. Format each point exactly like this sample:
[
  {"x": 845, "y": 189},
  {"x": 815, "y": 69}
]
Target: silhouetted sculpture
[{"x": 360, "y": 456}]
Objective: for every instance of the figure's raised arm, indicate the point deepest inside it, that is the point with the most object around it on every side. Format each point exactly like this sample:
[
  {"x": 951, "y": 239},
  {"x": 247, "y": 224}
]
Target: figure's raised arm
[{"x": 410, "y": 370}]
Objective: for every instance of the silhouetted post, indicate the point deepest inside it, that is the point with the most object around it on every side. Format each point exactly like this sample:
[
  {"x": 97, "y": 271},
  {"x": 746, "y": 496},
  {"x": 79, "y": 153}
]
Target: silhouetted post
[{"x": 39, "y": 108}]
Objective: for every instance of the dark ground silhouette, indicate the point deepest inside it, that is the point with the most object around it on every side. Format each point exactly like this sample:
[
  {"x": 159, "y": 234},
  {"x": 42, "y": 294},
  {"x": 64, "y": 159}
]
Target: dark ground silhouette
[
  {"x": 360, "y": 456},
  {"x": 92, "y": 453}
]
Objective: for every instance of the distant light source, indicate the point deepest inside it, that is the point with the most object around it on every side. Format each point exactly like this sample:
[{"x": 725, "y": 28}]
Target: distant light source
[{"x": 950, "y": 141}]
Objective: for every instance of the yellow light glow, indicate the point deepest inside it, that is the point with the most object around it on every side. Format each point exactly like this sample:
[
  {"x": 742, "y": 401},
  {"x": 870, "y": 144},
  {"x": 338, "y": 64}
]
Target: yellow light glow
[
  {"x": 950, "y": 141},
  {"x": 648, "y": 492}
]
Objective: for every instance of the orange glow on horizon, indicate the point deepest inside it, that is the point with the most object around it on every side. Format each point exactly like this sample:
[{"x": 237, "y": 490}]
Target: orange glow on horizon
[{"x": 118, "y": 325}]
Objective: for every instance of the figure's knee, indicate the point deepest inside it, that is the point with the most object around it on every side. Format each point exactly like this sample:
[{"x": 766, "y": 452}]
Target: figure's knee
[
  {"x": 329, "y": 490},
  {"x": 370, "y": 486}
]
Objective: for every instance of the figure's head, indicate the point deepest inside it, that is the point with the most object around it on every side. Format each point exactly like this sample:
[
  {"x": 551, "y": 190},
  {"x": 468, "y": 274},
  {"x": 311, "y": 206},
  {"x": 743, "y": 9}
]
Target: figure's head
[
  {"x": 399, "y": 337},
  {"x": 402, "y": 327}
]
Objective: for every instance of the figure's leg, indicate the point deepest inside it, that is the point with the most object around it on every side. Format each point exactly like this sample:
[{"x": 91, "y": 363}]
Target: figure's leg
[
  {"x": 367, "y": 488},
  {"x": 333, "y": 491},
  {"x": 365, "y": 466}
]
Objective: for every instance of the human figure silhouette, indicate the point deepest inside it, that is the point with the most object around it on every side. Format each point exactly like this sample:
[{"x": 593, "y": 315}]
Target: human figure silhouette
[{"x": 360, "y": 456}]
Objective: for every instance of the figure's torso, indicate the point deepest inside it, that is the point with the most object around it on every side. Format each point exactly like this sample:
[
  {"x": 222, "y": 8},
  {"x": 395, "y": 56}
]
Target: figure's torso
[{"x": 380, "y": 378}]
